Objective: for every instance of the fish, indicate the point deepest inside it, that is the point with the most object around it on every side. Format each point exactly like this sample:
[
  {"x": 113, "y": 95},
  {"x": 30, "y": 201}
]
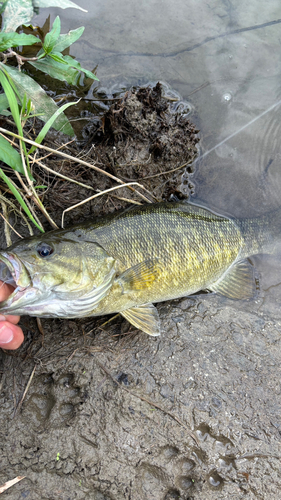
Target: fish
[{"x": 127, "y": 261}]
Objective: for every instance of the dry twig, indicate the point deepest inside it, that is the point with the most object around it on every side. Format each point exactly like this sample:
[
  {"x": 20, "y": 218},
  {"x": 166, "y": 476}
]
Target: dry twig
[
  {"x": 10, "y": 483},
  {"x": 77, "y": 160},
  {"x": 61, "y": 175},
  {"x": 96, "y": 195},
  {"x": 16, "y": 210},
  {"x": 25, "y": 390},
  {"x": 6, "y": 223},
  {"x": 8, "y": 236}
]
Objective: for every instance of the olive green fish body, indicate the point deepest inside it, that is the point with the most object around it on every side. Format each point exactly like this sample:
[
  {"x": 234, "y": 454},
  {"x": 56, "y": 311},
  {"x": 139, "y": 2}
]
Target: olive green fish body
[
  {"x": 127, "y": 261},
  {"x": 183, "y": 249}
]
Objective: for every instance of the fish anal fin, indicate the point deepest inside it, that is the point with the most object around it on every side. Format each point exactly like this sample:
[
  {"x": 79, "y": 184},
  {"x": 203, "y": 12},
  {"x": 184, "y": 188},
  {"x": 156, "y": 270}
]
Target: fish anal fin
[
  {"x": 238, "y": 283},
  {"x": 140, "y": 276},
  {"x": 145, "y": 318}
]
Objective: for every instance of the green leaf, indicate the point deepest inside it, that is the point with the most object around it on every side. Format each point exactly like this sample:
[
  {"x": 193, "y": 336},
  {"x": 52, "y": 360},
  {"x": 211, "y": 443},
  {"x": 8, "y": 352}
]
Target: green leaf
[
  {"x": 18, "y": 196},
  {"x": 13, "y": 105},
  {"x": 57, "y": 56},
  {"x": 29, "y": 106},
  {"x": 8, "y": 40},
  {"x": 2, "y": 8},
  {"x": 68, "y": 39},
  {"x": 63, "y": 4},
  {"x": 57, "y": 70},
  {"x": 10, "y": 156},
  {"x": 49, "y": 124},
  {"x": 42, "y": 103},
  {"x": 16, "y": 13},
  {"x": 75, "y": 64},
  {"x": 23, "y": 105},
  {"x": 4, "y": 103},
  {"x": 9, "y": 92},
  {"x": 4, "y": 112},
  {"x": 4, "y": 68},
  {"x": 52, "y": 36}
]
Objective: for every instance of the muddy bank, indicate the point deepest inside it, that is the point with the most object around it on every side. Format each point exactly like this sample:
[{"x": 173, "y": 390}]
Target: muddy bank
[
  {"x": 97, "y": 422},
  {"x": 111, "y": 413}
]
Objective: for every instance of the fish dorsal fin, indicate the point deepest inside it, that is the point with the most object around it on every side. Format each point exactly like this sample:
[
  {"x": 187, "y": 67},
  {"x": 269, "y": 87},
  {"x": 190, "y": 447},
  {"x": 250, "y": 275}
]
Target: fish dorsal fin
[
  {"x": 140, "y": 276},
  {"x": 238, "y": 283},
  {"x": 145, "y": 318}
]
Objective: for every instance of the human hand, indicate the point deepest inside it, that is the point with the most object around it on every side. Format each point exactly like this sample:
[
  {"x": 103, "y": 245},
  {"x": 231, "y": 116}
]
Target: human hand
[{"x": 11, "y": 335}]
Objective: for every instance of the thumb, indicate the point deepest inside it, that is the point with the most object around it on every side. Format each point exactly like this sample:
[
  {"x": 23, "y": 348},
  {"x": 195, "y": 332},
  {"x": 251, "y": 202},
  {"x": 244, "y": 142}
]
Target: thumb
[{"x": 11, "y": 336}]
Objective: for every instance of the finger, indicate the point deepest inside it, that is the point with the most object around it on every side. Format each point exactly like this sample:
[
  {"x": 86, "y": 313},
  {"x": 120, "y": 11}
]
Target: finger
[
  {"x": 11, "y": 336},
  {"x": 10, "y": 318},
  {"x": 5, "y": 291}
]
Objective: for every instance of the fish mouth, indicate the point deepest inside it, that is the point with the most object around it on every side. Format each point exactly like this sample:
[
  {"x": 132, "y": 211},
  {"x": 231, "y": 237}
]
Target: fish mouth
[{"x": 13, "y": 272}]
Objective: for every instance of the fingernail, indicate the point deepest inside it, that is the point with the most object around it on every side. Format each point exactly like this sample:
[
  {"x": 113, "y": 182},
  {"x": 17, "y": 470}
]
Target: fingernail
[
  {"x": 2, "y": 318},
  {"x": 6, "y": 335}
]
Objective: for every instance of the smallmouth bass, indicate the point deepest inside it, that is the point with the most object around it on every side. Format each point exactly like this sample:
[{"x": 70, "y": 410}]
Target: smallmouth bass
[{"x": 124, "y": 262}]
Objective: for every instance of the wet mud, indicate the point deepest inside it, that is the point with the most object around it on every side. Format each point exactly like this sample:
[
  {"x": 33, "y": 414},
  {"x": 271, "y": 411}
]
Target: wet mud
[{"x": 96, "y": 410}]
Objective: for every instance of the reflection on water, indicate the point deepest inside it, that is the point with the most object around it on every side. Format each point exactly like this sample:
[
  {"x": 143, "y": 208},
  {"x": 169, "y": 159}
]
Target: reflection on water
[{"x": 225, "y": 59}]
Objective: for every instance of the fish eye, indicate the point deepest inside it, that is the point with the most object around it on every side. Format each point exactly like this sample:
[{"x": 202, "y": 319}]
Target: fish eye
[{"x": 44, "y": 250}]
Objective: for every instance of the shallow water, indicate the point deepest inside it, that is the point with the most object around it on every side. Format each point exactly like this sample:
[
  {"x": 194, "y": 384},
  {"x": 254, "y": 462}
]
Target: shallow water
[{"x": 225, "y": 59}]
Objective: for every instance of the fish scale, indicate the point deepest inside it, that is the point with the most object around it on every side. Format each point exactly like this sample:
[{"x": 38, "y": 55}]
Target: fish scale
[
  {"x": 192, "y": 249},
  {"x": 127, "y": 261}
]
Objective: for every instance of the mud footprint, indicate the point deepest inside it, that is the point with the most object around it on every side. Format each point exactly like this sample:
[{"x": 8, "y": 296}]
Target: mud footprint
[
  {"x": 182, "y": 472},
  {"x": 52, "y": 402},
  {"x": 171, "y": 476}
]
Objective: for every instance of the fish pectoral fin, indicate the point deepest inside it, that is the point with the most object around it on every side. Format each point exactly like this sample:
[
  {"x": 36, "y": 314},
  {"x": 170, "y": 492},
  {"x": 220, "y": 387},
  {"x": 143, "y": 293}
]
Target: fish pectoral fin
[
  {"x": 145, "y": 318},
  {"x": 140, "y": 276},
  {"x": 238, "y": 283}
]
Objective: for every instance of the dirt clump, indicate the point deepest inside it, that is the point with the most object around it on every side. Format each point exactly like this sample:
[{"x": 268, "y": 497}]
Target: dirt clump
[{"x": 145, "y": 137}]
